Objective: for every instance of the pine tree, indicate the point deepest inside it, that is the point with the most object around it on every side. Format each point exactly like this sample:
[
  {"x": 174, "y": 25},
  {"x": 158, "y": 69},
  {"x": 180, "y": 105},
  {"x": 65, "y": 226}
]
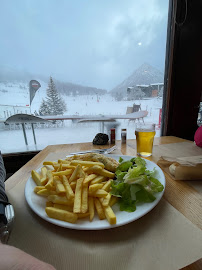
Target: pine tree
[
  {"x": 53, "y": 105},
  {"x": 44, "y": 108}
]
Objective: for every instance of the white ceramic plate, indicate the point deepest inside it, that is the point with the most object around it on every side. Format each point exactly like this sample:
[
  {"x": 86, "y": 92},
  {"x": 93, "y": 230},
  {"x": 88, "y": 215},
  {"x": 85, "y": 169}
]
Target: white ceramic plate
[{"x": 37, "y": 204}]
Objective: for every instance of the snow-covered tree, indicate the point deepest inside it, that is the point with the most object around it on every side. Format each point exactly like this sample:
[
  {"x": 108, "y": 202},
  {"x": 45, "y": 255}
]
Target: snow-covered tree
[
  {"x": 44, "y": 108},
  {"x": 134, "y": 93},
  {"x": 160, "y": 94},
  {"x": 53, "y": 105},
  {"x": 138, "y": 94},
  {"x": 118, "y": 96}
]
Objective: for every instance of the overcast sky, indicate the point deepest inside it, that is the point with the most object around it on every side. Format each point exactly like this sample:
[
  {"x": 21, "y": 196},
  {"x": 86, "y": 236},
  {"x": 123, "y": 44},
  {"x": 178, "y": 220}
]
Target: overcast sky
[{"x": 94, "y": 43}]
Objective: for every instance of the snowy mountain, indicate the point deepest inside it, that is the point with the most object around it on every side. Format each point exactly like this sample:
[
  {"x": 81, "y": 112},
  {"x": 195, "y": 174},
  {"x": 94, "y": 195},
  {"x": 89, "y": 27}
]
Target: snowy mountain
[
  {"x": 145, "y": 74},
  {"x": 15, "y": 95},
  {"x": 12, "y": 75},
  {"x": 66, "y": 88}
]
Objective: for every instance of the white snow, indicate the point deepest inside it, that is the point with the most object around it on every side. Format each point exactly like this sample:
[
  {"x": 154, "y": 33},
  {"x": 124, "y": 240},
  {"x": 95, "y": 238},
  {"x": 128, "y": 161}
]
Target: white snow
[{"x": 12, "y": 139}]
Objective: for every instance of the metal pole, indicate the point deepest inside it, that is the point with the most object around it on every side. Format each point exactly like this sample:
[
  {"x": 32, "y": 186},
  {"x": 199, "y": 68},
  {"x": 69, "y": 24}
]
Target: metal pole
[
  {"x": 102, "y": 126},
  {"x": 33, "y": 132},
  {"x": 25, "y": 137}
]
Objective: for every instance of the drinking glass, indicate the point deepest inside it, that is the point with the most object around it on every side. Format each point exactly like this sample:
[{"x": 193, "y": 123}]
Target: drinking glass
[{"x": 144, "y": 138}]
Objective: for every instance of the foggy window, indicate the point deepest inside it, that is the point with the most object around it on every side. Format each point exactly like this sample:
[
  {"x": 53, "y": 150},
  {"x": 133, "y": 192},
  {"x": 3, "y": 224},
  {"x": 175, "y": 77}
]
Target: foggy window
[{"x": 100, "y": 57}]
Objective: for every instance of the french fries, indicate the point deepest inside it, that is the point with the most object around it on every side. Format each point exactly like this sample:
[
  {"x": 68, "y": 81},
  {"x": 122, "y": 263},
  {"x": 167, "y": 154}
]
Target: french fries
[
  {"x": 110, "y": 215},
  {"x": 75, "y": 173},
  {"x": 89, "y": 178},
  {"x": 69, "y": 191},
  {"x": 101, "y": 171},
  {"x": 84, "y": 199},
  {"x": 45, "y": 192},
  {"x": 86, "y": 163},
  {"x": 60, "y": 200},
  {"x": 61, "y": 214},
  {"x": 99, "y": 209},
  {"x": 37, "y": 188},
  {"x": 94, "y": 187},
  {"x": 36, "y": 177},
  {"x": 98, "y": 179},
  {"x": 66, "y": 172},
  {"x": 105, "y": 201},
  {"x": 107, "y": 185},
  {"x": 63, "y": 207},
  {"x": 60, "y": 189},
  {"x": 49, "y": 184},
  {"x": 76, "y": 189},
  {"x": 43, "y": 176},
  {"x": 99, "y": 193},
  {"x": 78, "y": 193},
  {"x": 91, "y": 207}
]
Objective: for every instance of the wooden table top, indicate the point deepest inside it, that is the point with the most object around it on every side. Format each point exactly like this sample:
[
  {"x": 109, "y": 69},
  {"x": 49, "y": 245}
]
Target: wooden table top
[
  {"x": 127, "y": 149},
  {"x": 180, "y": 194}
]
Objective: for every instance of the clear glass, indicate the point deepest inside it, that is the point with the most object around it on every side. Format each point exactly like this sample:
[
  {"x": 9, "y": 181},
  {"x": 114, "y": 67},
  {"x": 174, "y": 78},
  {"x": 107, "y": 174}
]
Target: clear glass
[
  {"x": 91, "y": 64},
  {"x": 144, "y": 138}
]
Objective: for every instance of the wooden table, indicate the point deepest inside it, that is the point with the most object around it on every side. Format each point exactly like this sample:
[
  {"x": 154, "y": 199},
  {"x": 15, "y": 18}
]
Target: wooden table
[{"x": 180, "y": 194}]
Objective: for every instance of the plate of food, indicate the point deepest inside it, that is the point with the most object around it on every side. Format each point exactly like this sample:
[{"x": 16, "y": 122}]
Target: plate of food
[{"x": 94, "y": 191}]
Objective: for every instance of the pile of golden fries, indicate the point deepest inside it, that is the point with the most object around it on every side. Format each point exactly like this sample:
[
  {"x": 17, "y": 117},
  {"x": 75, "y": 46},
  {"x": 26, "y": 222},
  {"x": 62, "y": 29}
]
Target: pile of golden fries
[{"x": 75, "y": 189}]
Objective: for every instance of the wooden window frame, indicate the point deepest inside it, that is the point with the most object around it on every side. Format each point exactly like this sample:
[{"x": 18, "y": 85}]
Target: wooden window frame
[{"x": 183, "y": 84}]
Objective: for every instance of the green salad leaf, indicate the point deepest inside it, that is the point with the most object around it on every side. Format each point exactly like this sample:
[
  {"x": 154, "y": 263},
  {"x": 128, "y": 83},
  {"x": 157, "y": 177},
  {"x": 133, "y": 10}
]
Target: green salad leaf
[
  {"x": 124, "y": 166},
  {"x": 122, "y": 190},
  {"x": 134, "y": 184}
]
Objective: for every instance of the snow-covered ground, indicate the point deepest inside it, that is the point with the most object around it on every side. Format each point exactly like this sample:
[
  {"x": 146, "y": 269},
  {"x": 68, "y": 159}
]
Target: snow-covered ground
[
  {"x": 12, "y": 140},
  {"x": 14, "y": 98}
]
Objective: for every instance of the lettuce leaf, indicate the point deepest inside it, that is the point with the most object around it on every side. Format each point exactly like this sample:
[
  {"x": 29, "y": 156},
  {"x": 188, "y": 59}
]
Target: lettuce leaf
[
  {"x": 144, "y": 196},
  {"x": 127, "y": 205},
  {"x": 133, "y": 173},
  {"x": 133, "y": 190},
  {"x": 123, "y": 190},
  {"x": 140, "y": 194},
  {"x": 135, "y": 184},
  {"x": 120, "y": 175},
  {"x": 141, "y": 180},
  {"x": 118, "y": 188},
  {"x": 130, "y": 195},
  {"x": 155, "y": 185},
  {"x": 124, "y": 166},
  {"x": 140, "y": 162}
]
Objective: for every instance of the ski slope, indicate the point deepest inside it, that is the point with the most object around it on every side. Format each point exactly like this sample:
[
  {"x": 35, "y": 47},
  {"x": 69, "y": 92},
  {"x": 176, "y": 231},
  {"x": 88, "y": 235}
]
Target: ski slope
[{"x": 16, "y": 95}]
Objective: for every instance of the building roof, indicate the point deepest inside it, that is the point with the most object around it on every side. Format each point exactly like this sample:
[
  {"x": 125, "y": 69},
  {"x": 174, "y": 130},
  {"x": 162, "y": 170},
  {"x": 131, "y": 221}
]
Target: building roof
[
  {"x": 142, "y": 85},
  {"x": 157, "y": 84}
]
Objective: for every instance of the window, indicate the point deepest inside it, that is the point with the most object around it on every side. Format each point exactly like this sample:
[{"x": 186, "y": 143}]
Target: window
[{"x": 104, "y": 58}]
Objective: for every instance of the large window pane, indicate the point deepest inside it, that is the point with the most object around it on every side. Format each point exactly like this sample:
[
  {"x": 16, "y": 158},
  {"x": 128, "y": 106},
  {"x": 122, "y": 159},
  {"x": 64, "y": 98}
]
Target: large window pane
[{"x": 104, "y": 58}]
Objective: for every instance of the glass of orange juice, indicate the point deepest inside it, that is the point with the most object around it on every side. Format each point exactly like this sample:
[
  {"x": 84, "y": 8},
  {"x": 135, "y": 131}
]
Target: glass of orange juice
[{"x": 144, "y": 138}]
